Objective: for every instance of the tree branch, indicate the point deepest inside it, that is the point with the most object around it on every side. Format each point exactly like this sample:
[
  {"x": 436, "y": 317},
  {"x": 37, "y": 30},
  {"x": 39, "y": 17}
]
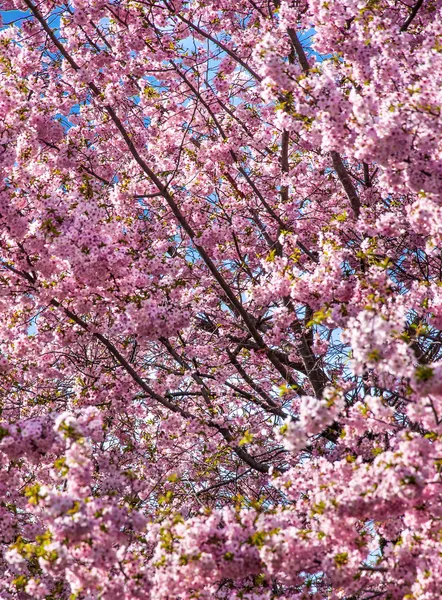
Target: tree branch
[{"x": 412, "y": 15}]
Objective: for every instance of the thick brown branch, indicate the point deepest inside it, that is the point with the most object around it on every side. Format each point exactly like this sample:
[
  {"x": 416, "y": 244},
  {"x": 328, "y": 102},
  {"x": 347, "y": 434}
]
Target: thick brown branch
[
  {"x": 347, "y": 183},
  {"x": 412, "y": 15},
  {"x": 338, "y": 165}
]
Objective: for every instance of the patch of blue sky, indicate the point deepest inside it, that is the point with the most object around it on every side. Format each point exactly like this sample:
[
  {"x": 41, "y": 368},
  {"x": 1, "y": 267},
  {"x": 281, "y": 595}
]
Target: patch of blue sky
[
  {"x": 12, "y": 17},
  {"x": 16, "y": 17}
]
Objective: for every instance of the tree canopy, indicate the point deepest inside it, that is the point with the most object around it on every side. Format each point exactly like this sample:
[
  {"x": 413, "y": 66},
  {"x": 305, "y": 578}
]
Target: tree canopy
[{"x": 220, "y": 292}]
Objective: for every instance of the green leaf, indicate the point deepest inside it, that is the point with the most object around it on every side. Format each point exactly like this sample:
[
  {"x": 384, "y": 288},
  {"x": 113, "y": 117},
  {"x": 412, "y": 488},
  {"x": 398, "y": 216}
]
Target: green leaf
[{"x": 246, "y": 439}]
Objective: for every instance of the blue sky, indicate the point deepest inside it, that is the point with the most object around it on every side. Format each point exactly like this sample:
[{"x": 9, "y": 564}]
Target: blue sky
[{"x": 10, "y": 16}]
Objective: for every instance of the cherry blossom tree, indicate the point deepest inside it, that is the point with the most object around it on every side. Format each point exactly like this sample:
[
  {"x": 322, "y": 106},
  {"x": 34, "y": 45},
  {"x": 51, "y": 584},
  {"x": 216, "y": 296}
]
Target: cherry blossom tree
[{"x": 221, "y": 299}]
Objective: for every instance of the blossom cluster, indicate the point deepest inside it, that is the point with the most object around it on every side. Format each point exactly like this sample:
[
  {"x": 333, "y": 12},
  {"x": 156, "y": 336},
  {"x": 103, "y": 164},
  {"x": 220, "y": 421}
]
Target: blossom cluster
[{"x": 220, "y": 296}]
